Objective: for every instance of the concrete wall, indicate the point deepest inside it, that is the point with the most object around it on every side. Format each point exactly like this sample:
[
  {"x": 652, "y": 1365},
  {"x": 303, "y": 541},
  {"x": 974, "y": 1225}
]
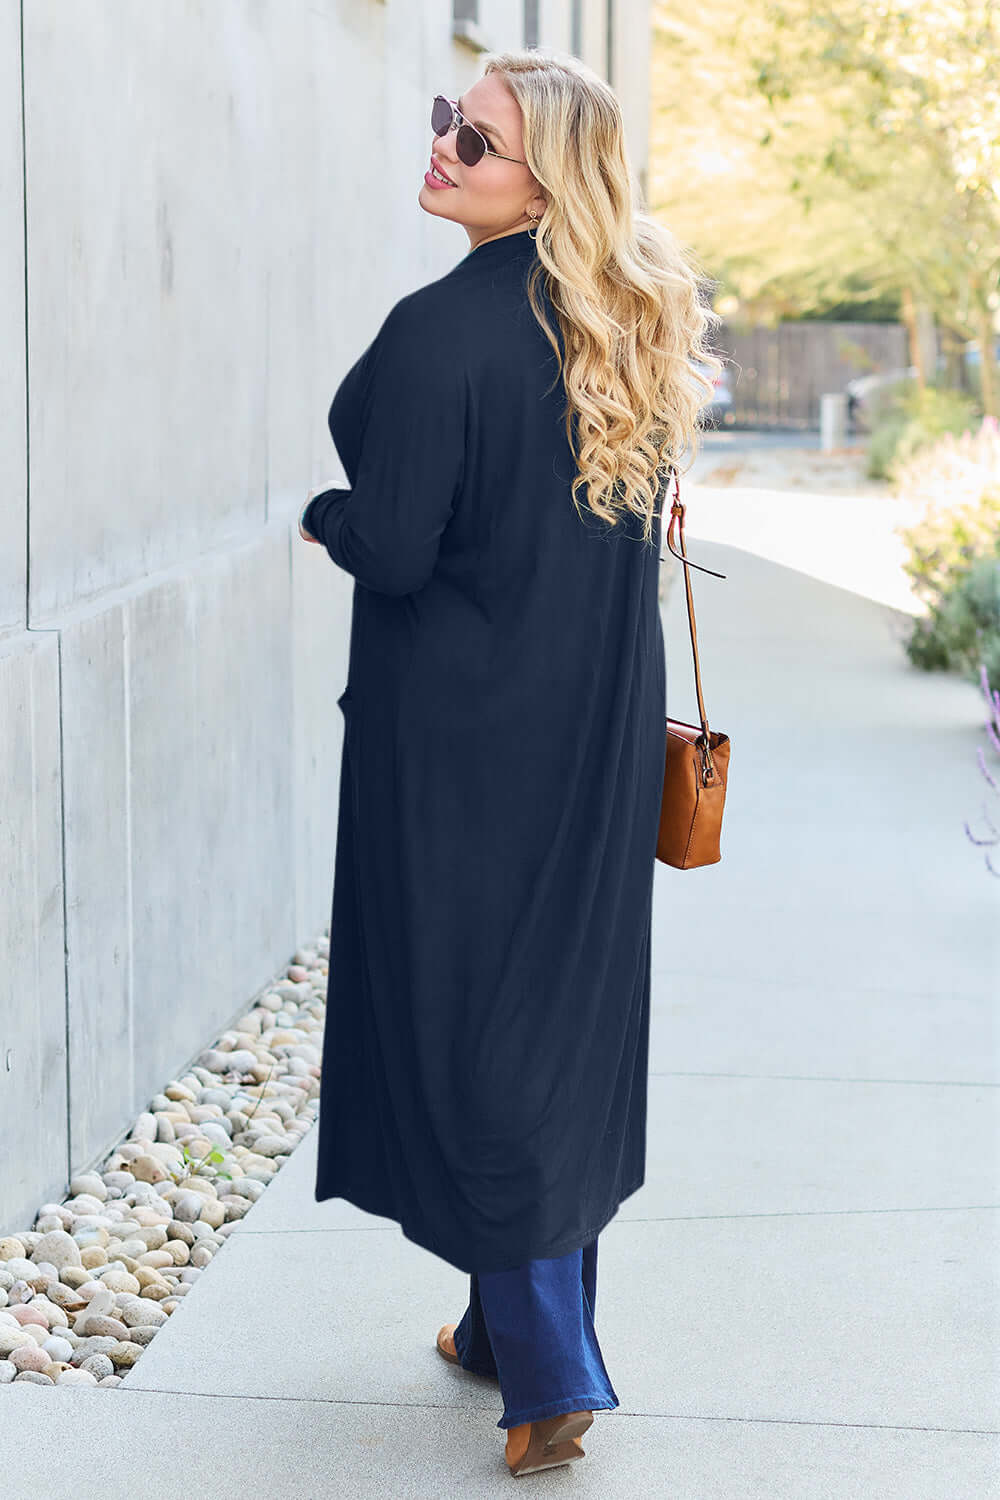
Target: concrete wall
[{"x": 206, "y": 243}]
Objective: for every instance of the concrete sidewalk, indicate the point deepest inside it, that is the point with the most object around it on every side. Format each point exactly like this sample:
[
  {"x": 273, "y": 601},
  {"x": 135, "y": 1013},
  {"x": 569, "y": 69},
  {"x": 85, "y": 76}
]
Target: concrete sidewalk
[{"x": 803, "y": 1301}]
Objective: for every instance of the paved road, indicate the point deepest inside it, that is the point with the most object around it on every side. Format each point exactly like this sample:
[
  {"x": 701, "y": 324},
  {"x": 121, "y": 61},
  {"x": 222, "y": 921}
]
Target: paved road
[{"x": 775, "y": 495}]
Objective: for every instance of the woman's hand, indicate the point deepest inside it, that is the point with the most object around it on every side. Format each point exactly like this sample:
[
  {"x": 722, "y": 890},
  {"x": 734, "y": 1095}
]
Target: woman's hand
[{"x": 305, "y": 535}]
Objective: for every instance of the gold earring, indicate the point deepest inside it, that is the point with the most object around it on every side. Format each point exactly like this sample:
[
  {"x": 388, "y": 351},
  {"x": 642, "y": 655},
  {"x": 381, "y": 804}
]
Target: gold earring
[{"x": 537, "y": 220}]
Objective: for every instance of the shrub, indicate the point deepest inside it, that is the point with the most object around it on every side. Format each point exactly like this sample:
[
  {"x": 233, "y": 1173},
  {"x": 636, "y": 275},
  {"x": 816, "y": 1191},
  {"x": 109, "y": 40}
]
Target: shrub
[
  {"x": 992, "y": 839},
  {"x": 954, "y": 560},
  {"x": 882, "y": 445},
  {"x": 959, "y": 470},
  {"x": 961, "y": 632},
  {"x": 910, "y": 419}
]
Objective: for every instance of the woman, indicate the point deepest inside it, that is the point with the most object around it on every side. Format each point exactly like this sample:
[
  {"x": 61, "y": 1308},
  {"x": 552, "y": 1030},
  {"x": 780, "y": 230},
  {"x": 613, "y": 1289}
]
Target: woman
[{"x": 506, "y": 437}]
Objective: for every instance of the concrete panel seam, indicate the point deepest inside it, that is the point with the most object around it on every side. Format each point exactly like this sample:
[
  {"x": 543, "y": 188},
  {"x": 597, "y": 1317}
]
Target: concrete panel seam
[
  {"x": 27, "y": 403},
  {"x": 179, "y": 571},
  {"x": 65, "y": 913},
  {"x": 129, "y": 866}
]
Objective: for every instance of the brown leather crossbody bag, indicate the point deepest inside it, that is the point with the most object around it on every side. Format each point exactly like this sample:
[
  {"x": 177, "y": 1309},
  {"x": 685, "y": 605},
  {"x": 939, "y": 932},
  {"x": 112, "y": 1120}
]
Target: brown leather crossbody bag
[{"x": 696, "y": 765}]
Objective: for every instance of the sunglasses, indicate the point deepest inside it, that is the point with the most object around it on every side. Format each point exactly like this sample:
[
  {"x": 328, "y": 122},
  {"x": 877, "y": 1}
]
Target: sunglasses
[{"x": 470, "y": 144}]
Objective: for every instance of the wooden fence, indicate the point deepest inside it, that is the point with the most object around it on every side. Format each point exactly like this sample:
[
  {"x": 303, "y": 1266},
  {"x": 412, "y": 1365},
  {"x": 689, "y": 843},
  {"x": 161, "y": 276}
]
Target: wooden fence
[{"x": 777, "y": 375}]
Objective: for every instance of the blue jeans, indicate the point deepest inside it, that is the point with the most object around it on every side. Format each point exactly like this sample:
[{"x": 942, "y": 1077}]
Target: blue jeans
[{"x": 532, "y": 1329}]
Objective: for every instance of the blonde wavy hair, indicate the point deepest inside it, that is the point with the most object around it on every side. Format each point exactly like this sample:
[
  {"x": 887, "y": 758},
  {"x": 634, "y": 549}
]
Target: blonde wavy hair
[{"x": 625, "y": 292}]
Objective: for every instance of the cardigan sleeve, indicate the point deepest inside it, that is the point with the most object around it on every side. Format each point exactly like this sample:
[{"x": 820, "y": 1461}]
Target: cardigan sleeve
[{"x": 386, "y": 528}]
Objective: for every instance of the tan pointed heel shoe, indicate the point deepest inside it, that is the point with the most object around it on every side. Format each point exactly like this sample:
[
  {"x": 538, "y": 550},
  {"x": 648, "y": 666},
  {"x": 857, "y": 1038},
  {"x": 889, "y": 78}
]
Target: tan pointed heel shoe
[
  {"x": 548, "y": 1443},
  {"x": 446, "y": 1343}
]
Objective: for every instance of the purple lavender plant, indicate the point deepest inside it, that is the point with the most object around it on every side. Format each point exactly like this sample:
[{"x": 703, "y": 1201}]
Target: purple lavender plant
[{"x": 992, "y": 696}]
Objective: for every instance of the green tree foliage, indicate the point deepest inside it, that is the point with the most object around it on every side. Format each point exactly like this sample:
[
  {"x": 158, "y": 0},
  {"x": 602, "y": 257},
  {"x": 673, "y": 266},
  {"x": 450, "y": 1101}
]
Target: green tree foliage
[{"x": 809, "y": 147}]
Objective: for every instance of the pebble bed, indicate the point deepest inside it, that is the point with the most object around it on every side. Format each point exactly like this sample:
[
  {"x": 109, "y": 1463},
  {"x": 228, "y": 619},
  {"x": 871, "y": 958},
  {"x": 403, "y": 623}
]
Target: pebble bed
[{"x": 88, "y": 1288}]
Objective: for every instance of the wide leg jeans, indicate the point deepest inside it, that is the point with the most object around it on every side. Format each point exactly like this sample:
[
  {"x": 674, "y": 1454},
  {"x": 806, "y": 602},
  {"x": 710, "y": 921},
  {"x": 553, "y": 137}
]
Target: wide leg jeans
[{"x": 532, "y": 1330}]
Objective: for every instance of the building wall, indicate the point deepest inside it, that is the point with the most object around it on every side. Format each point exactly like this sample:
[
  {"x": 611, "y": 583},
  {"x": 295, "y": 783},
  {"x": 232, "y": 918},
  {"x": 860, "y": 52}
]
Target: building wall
[{"x": 209, "y": 210}]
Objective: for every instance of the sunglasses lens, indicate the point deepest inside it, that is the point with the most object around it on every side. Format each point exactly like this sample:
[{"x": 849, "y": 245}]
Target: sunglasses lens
[
  {"x": 469, "y": 145},
  {"x": 468, "y": 142},
  {"x": 441, "y": 116}
]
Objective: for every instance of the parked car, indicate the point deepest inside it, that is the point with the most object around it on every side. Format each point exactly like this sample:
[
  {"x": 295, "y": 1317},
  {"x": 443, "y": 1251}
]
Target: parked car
[
  {"x": 716, "y": 410},
  {"x": 863, "y": 393},
  {"x": 972, "y": 358},
  {"x": 972, "y": 353}
]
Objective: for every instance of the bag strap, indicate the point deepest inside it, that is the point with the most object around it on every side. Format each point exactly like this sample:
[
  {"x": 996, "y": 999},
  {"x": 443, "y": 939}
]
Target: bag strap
[{"x": 677, "y": 511}]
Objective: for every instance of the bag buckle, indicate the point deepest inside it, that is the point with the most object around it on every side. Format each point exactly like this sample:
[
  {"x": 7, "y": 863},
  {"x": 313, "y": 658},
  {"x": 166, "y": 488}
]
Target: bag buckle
[{"x": 708, "y": 771}]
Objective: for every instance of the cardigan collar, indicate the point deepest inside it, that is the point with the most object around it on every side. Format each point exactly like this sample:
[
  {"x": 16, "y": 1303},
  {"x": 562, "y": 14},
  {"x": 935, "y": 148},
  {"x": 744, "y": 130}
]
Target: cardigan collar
[{"x": 505, "y": 247}]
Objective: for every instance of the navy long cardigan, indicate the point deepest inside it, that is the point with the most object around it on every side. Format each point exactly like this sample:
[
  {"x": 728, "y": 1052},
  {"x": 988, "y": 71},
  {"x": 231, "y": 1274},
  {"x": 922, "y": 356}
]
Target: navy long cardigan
[{"x": 485, "y": 1050}]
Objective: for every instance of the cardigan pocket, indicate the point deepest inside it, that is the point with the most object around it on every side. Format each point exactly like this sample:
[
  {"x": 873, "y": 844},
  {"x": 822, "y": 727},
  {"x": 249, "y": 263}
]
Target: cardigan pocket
[{"x": 347, "y": 706}]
